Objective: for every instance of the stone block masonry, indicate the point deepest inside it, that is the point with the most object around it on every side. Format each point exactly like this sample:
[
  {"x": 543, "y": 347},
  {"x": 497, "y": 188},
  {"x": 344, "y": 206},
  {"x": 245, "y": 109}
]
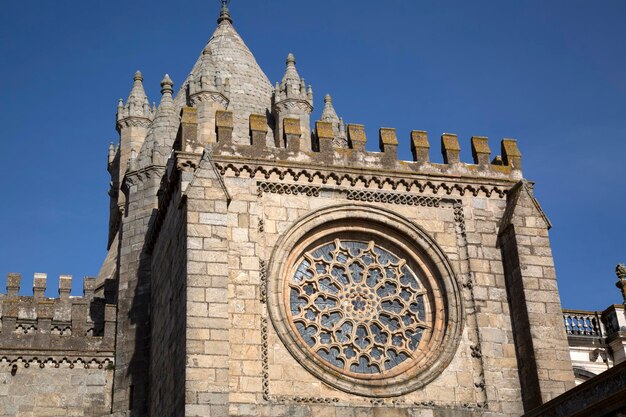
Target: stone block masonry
[
  {"x": 263, "y": 268},
  {"x": 56, "y": 354},
  {"x": 221, "y": 210}
]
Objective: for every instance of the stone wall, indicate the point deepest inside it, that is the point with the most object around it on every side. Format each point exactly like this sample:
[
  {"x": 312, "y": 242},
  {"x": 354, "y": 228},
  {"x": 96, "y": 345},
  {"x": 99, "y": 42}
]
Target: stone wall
[
  {"x": 240, "y": 211},
  {"x": 483, "y": 371},
  {"x": 132, "y": 348},
  {"x": 50, "y": 391},
  {"x": 168, "y": 320},
  {"x": 56, "y": 354},
  {"x": 208, "y": 240},
  {"x": 542, "y": 349}
]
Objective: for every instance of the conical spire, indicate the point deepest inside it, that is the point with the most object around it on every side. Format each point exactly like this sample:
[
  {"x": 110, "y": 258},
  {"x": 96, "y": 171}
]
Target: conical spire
[
  {"x": 208, "y": 79},
  {"x": 226, "y": 76},
  {"x": 292, "y": 85},
  {"x": 330, "y": 115},
  {"x": 291, "y": 76},
  {"x": 293, "y": 100},
  {"x": 137, "y": 99},
  {"x": 137, "y": 104},
  {"x": 162, "y": 134},
  {"x": 225, "y": 13}
]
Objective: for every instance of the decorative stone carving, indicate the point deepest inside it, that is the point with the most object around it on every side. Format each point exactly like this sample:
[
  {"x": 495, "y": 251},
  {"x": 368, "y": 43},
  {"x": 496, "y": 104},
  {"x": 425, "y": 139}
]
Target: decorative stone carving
[
  {"x": 364, "y": 300},
  {"x": 358, "y": 306}
]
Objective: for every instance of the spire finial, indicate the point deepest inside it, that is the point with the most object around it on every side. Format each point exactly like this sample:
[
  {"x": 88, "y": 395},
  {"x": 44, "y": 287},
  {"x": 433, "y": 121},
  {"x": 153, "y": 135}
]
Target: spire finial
[
  {"x": 166, "y": 85},
  {"x": 224, "y": 13}
]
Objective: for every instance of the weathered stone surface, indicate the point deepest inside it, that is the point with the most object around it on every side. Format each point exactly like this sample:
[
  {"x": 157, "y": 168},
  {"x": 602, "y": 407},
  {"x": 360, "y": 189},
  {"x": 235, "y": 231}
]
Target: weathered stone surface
[
  {"x": 199, "y": 257},
  {"x": 54, "y": 391}
]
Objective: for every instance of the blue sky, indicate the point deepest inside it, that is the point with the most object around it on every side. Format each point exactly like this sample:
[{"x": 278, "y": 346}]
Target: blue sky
[{"x": 550, "y": 74}]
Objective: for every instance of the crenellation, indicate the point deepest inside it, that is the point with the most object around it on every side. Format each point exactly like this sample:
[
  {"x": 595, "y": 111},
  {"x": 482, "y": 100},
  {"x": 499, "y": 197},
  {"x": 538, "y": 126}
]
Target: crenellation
[
  {"x": 325, "y": 136},
  {"x": 224, "y": 126},
  {"x": 420, "y": 146},
  {"x": 481, "y": 152},
  {"x": 450, "y": 148},
  {"x": 89, "y": 286},
  {"x": 357, "y": 137},
  {"x": 39, "y": 285},
  {"x": 13, "y": 284},
  {"x": 258, "y": 130},
  {"x": 324, "y": 150},
  {"x": 30, "y": 321},
  {"x": 388, "y": 144},
  {"x": 187, "y": 137},
  {"x": 65, "y": 286},
  {"x": 293, "y": 132},
  {"x": 511, "y": 155}
]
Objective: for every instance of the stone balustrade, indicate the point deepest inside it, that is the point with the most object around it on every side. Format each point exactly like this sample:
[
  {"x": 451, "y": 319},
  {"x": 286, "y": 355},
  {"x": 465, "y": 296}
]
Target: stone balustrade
[{"x": 583, "y": 323}]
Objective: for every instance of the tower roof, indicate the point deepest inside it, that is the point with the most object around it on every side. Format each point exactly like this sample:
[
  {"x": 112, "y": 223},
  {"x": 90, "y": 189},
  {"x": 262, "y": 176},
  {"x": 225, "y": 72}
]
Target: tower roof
[
  {"x": 137, "y": 104},
  {"x": 227, "y": 60},
  {"x": 329, "y": 114},
  {"x": 162, "y": 133},
  {"x": 137, "y": 94}
]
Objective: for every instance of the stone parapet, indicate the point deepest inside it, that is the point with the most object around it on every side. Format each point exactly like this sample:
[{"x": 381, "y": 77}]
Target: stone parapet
[
  {"x": 67, "y": 328},
  {"x": 324, "y": 152}
]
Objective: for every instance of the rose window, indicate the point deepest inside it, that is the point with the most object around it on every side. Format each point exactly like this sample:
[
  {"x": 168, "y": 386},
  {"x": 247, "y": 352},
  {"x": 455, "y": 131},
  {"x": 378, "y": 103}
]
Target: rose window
[
  {"x": 364, "y": 300},
  {"x": 358, "y": 306}
]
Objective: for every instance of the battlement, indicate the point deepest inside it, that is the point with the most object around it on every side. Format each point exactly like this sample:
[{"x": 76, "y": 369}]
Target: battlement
[
  {"x": 327, "y": 152},
  {"x": 63, "y": 324}
]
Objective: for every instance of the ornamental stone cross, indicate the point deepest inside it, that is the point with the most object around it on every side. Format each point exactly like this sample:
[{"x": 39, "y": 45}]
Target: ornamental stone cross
[{"x": 620, "y": 271}]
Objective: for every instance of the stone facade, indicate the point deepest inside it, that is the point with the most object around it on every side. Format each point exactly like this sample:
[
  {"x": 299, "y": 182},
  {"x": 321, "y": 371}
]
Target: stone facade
[{"x": 261, "y": 266}]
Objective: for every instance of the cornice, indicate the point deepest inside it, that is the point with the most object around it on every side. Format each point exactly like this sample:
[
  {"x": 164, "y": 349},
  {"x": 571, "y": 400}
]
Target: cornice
[
  {"x": 132, "y": 178},
  {"x": 367, "y": 178}
]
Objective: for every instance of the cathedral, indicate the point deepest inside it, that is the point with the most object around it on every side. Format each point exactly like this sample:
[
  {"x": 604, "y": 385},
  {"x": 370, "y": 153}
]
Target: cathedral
[{"x": 261, "y": 263}]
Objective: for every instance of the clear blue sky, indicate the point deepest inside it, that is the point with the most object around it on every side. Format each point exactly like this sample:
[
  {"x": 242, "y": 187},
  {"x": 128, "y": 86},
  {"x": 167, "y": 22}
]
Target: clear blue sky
[{"x": 550, "y": 73}]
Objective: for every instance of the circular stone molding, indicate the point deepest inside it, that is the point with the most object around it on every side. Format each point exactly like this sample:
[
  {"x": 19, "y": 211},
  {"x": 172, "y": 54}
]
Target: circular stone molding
[{"x": 365, "y": 300}]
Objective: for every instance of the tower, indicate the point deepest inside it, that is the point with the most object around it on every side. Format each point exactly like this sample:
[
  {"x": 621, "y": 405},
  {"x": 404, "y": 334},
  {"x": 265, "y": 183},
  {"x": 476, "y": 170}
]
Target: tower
[
  {"x": 262, "y": 268},
  {"x": 132, "y": 122}
]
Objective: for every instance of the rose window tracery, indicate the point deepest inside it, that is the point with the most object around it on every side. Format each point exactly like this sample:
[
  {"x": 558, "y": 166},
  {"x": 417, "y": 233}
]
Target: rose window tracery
[
  {"x": 358, "y": 306},
  {"x": 363, "y": 299}
]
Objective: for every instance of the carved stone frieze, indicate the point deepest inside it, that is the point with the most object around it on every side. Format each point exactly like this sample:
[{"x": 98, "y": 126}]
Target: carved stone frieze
[
  {"x": 293, "y": 189},
  {"x": 292, "y": 104},
  {"x": 366, "y": 181},
  {"x": 134, "y": 122},
  {"x": 206, "y": 96},
  {"x": 71, "y": 362},
  {"x": 187, "y": 162}
]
